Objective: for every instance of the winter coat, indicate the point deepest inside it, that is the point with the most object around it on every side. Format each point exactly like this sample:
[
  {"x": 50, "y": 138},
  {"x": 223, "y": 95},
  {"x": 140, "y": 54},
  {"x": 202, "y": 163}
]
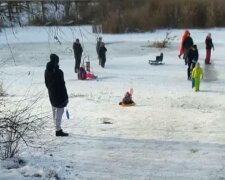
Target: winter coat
[
  {"x": 188, "y": 43},
  {"x": 192, "y": 56},
  {"x": 77, "y": 48},
  {"x": 186, "y": 33},
  {"x": 127, "y": 99},
  {"x": 98, "y": 47},
  {"x": 197, "y": 73},
  {"x": 209, "y": 43},
  {"x": 54, "y": 81}
]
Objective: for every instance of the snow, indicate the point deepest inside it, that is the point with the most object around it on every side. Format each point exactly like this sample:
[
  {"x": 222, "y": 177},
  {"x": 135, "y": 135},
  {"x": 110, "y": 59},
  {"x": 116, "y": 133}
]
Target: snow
[{"x": 172, "y": 133}]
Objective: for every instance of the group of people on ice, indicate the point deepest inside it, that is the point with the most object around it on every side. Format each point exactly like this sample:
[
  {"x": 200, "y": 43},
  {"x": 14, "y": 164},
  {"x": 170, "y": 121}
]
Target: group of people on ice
[
  {"x": 190, "y": 54},
  {"x": 54, "y": 78},
  {"x": 78, "y": 50}
]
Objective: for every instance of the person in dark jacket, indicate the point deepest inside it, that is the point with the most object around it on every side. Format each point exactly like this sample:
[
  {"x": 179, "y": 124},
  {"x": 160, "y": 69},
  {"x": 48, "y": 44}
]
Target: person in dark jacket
[
  {"x": 209, "y": 45},
  {"x": 102, "y": 55},
  {"x": 127, "y": 100},
  {"x": 99, "y": 41},
  {"x": 192, "y": 60},
  {"x": 187, "y": 44},
  {"x": 77, "y": 48},
  {"x": 54, "y": 81}
]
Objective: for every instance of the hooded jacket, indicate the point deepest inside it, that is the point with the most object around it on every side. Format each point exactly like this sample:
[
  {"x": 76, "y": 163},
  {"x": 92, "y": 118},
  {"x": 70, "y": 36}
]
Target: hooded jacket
[
  {"x": 193, "y": 55},
  {"x": 197, "y": 73},
  {"x": 186, "y": 34},
  {"x": 77, "y": 49},
  {"x": 54, "y": 81}
]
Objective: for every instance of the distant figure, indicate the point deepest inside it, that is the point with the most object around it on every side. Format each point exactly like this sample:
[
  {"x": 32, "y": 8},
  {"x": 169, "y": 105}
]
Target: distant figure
[
  {"x": 192, "y": 60},
  {"x": 127, "y": 99},
  {"x": 185, "y": 35},
  {"x": 197, "y": 75},
  {"x": 187, "y": 44},
  {"x": 102, "y": 53},
  {"x": 99, "y": 41},
  {"x": 209, "y": 45},
  {"x": 77, "y": 48},
  {"x": 58, "y": 96}
]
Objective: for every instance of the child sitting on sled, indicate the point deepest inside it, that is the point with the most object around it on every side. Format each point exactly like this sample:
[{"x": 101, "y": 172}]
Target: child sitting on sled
[
  {"x": 83, "y": 74},
  {"x": 127, "y": 100}
]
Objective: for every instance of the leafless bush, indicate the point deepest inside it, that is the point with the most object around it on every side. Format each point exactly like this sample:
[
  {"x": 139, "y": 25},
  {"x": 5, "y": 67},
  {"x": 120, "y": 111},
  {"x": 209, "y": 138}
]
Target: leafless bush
[
  {"x": 16, "y": 126},
  {"x": 165, "y": 42}
]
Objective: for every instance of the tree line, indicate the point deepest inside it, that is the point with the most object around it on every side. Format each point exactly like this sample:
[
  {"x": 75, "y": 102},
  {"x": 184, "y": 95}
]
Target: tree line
[{"x": 118, "y": 16}]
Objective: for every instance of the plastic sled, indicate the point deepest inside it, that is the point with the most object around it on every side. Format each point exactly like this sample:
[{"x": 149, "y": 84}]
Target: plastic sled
[
  {"x": 90, "y": 76},
  {"x": 126, "y": 105}
]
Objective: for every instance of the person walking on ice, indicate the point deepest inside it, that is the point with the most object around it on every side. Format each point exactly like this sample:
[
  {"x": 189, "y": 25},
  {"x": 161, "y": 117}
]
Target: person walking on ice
[
  {"x": 77, "y": 48},
  {"x": 197, "y": 75},
  {"x": 99, "y": 41},
  {"x": 102, "y": 54},
  {"x": 209, "y": 45},
  {"x": 192, "y": 60},
  {"x": 57, "y": 92}
]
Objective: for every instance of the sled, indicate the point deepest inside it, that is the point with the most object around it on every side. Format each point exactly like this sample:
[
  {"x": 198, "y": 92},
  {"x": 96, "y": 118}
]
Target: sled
[
  {"x": 157, "y": 61},
  {"x": 126, "y": 105},
  {"x": 90, "y": 76}
]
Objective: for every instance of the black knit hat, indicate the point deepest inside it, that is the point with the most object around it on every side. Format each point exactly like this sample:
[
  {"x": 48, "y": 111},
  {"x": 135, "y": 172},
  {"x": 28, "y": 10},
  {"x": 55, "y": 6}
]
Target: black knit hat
[
  {"x": 54, "y": 58},
  {"x": 194, "y": 46}
]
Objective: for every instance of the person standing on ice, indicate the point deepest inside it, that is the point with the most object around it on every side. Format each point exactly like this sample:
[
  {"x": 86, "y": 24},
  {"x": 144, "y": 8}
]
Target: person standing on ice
[
  {"x": 54, "y": 81},
  {"x": 102, "y": 55},
  {"x": 209, "y": 45},
  {"x": 77, "y": 48},
  {"x": 187, "y": 44},
  {"x": 185, "y": 35},
  {"x": 197, "y": 75},
  {"x": 192, "y": 60},
  {"x": 99, "y": 41}
]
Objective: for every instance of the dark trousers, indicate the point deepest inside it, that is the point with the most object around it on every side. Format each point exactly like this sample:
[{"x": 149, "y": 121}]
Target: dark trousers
[
  {"x": 186, "y": 51},
  {"x": 189, "y": 72},
  {"x": 189, "y": 69},
  {"x": 103, "y": 60},
  {"x": 77, "y": 63}
]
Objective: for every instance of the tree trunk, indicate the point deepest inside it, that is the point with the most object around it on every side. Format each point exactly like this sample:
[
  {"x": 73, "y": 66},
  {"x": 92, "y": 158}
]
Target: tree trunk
[
  {"x": 67, "y": 9},
  {"x": 43, "y": 11}
]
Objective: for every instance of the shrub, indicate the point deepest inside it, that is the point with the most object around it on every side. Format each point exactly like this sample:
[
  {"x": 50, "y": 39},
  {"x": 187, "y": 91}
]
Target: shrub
[
  {"x": 16, "y": 126},
  {"x": 164, "y": 43}
]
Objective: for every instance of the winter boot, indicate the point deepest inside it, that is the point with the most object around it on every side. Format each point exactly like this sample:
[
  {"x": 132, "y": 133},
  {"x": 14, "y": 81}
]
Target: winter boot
[{"x": 61, "y": 133}]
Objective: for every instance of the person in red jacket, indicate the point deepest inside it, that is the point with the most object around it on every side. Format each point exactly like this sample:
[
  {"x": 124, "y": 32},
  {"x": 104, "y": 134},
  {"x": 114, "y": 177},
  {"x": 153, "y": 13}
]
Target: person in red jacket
[
  {"x": 209, "y": 45},
  {"x": 185, "y": 35}
]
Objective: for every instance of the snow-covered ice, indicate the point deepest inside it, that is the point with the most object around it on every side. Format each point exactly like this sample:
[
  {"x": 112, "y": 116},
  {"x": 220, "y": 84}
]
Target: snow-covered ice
[{"x": 172, "y": 132}]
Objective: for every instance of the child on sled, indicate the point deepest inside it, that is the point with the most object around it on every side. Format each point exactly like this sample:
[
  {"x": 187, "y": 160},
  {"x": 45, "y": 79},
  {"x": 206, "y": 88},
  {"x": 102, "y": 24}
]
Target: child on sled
[
  {"x": 85, "y": 75},
  {"x": 127, "y": 100}
]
